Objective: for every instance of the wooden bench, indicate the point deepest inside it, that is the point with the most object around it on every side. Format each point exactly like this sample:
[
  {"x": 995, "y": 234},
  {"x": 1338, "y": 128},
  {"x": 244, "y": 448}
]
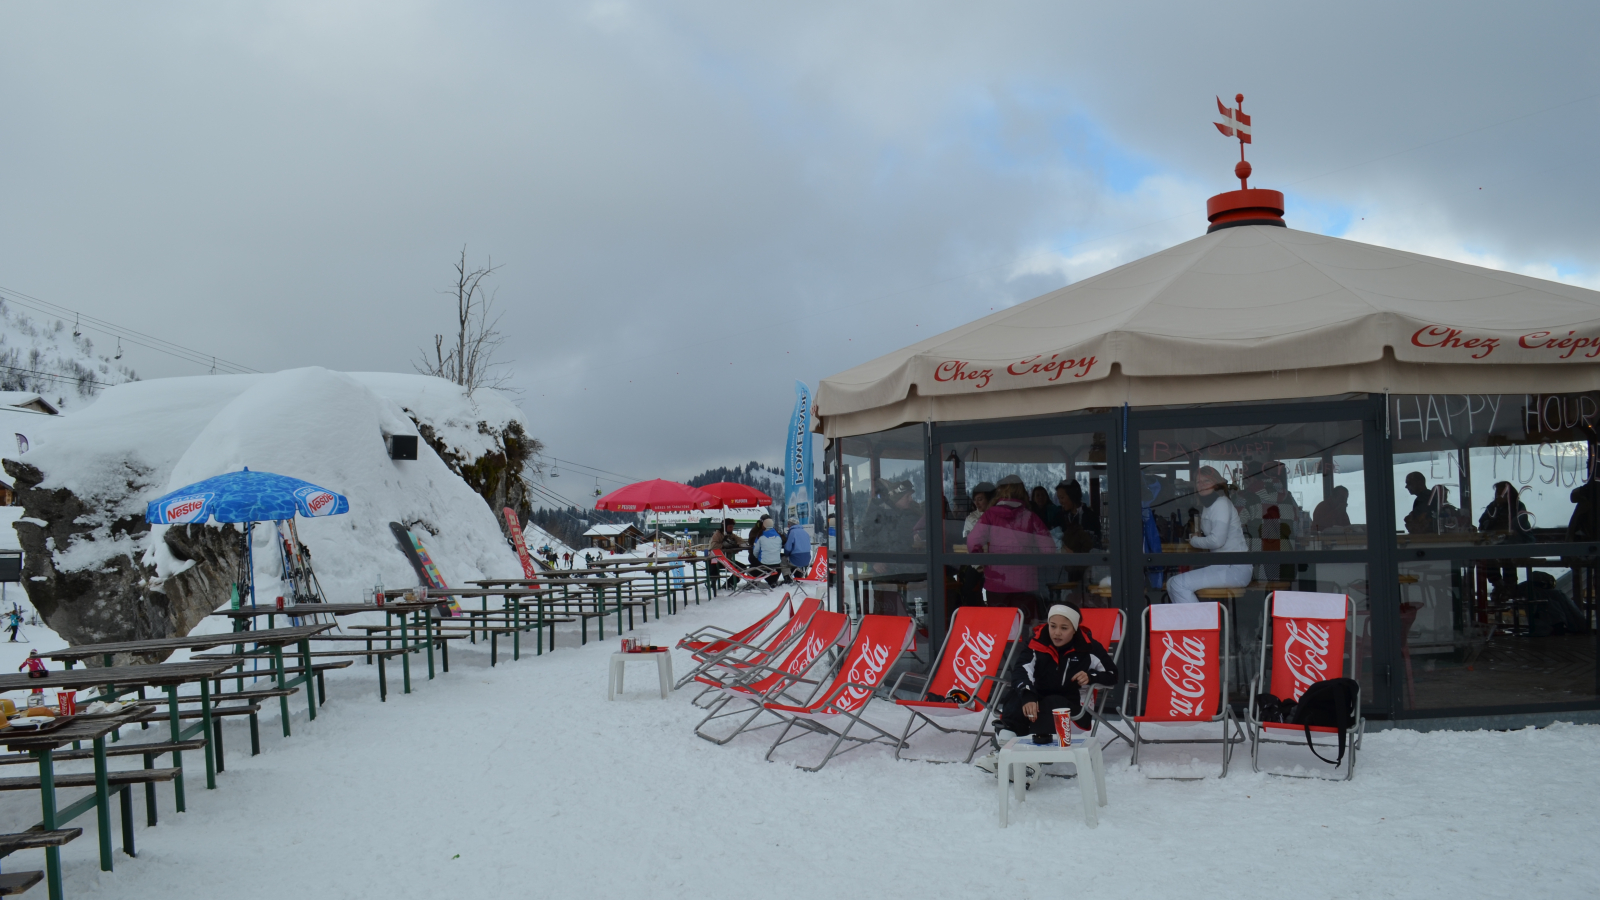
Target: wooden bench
[
  {"x": 34, "y": 838},
  {"x": 317, "y": 669},
  {"x": 218, "y": 713},
  {"x": 18, "y": 882},
  {"x": 37, "y": 838},
  {"x": 382, "y": 653},
  {"x": 121, "y": 783},
  {"x": 112, "y": 750}
]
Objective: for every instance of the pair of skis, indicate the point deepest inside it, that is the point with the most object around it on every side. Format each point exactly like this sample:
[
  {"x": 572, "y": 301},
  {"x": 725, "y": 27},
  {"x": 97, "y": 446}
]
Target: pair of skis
[{"x": 297, "y": 571}]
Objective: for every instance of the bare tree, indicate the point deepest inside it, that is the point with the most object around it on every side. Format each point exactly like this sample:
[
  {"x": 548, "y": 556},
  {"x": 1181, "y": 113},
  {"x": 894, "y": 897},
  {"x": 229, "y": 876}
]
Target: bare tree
[{"x": 470, "y": 360}]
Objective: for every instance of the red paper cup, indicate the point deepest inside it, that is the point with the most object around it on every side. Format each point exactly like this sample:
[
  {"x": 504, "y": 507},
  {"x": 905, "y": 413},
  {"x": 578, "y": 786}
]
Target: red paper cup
[
  {"x": 67, "y": 703},
  {"x": 1064, "y": 726}
]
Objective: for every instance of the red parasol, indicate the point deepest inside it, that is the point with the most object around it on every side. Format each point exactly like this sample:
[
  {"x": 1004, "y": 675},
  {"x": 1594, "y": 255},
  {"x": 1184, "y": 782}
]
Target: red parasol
[
  {"x": 736, "y": 496},
  {"x": 656, "y": 495}
]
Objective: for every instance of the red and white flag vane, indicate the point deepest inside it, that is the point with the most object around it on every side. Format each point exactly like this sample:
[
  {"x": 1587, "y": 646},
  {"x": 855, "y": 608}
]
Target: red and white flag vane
[{"x": 1234, "y": 122}]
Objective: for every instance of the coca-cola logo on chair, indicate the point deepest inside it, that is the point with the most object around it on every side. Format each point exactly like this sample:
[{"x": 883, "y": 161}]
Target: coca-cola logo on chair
[{"x": 1183, "y": 672}]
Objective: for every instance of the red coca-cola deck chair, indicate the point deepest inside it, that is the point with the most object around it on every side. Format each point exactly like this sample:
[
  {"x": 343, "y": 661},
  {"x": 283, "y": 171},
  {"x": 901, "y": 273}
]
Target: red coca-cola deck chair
[
  {"x": 878, "y": 643},
  {"x": 973, "y": 660},
  {"x": 1109, "y": 627},
  {"x": 749, "y": 576},
  {"x": 1181, "y": 677},
  {"x": 760, "y": 684},
  {"x": 1308, "y": 634},
  {"x": 817, "y": 572},
  {"x": 732, "y": 656}
]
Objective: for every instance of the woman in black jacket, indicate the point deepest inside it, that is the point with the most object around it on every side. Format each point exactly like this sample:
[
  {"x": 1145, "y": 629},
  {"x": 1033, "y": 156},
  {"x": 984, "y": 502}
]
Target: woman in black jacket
[{"x": 1050, "y": 673}]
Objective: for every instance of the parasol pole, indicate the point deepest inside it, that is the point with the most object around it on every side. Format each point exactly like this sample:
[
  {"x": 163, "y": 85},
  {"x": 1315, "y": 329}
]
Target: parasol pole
[{"x": 250, "y": 559}]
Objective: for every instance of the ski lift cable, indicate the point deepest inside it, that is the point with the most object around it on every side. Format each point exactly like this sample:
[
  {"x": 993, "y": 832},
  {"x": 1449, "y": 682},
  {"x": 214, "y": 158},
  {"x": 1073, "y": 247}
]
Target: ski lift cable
[
  {"x": 627, "y": 479},
  {"x": 66, "y": 378},
  {"x": 139, "y": 338}
]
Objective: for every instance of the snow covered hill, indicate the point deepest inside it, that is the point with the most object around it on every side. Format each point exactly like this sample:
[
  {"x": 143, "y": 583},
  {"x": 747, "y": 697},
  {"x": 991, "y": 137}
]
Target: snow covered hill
[{"x": 96, "y": 571}]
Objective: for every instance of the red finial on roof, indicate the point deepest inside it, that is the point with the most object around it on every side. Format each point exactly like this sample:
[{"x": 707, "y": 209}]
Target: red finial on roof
[{"x": 1244, "y": 206}]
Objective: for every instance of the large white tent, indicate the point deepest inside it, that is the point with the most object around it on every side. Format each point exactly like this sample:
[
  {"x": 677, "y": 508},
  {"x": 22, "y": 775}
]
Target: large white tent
[{"x": 1246, "y": 313}]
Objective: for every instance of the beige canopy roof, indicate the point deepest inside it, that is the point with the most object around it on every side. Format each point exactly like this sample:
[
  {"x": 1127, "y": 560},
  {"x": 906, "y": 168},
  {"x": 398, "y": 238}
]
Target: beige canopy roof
[{"x": 1249, "y": 313}]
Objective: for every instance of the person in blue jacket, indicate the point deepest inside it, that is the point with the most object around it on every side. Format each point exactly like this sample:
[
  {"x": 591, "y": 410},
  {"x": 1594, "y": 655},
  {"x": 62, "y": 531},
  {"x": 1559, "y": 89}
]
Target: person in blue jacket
[
  {"x": 767, "y": 549},
  {"x": 796, "y": 550}
]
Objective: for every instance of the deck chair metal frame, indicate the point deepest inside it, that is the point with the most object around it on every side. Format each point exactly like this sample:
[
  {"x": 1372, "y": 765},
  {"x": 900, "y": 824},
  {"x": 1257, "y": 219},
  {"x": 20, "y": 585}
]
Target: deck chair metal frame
[
  {"x": 1098, "y": 693},
  {"x": 749, "y": 576},
  {"x": 1224, "y": 714},
  {"x": 856, "y": 694},
  {"x": 981, "y": 703},
  {"x": 711, "y": 641},
  {"x": 1259, "y": 730},
  {"x": 763, "y": 684},
  {"x": 737, "y": 656}
]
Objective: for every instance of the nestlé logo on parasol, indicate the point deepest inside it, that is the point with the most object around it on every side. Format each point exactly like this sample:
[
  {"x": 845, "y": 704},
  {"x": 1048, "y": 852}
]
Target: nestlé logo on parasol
[
  {"x": 318, "y": 502},
  {"x": 181, "y": 510}
]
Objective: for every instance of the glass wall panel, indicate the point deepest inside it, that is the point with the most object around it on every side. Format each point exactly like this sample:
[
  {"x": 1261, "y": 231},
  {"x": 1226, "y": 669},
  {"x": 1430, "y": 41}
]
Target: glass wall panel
[
  {"x": 1027, "y": 495},
  {"x": 1501, "y": 632},
  {"x": 1039, "y": 496},
  {"x": 890, "y": 589},
  {"x": 1030, "y": 588},
  {"x": 1487, "y": 469},
  {"x": 885, "y": 492},
  {"x": 1294, "y": 486}
]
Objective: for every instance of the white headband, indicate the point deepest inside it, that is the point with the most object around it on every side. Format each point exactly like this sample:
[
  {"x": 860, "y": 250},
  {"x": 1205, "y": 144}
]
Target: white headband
[{"x": 1068, "y": 612}]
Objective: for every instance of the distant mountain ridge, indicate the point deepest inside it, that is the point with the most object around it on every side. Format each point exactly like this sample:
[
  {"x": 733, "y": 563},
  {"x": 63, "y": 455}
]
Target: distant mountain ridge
[
  {"x": 751, "y": 474},
  {"x": 53, "y": 362}
]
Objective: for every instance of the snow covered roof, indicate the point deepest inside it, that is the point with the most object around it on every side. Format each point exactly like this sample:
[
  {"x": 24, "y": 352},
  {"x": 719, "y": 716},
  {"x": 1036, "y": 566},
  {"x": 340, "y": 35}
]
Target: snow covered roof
[
  {"x": 608, "y": 530},
  {"x": 28, "y": 400}
]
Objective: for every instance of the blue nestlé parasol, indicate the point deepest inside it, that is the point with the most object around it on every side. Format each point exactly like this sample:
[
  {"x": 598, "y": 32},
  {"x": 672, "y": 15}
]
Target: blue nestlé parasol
[{"x": 245, "y": 497}]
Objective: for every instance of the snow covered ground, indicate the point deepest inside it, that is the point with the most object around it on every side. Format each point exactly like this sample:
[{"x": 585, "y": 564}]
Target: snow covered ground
[{"x": 522, "y": 781}]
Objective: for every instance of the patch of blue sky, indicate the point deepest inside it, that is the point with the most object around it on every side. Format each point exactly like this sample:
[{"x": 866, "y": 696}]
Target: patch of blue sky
[
  {"x": 1005, "y": 131},
  {"x": 1573, "y": 270},
  {"x": 1306, "y": 213}
]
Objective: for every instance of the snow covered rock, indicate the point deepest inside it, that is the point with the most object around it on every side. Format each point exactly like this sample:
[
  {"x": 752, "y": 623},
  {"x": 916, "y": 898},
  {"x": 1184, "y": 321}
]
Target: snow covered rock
[{"x": 97, "y": 572}]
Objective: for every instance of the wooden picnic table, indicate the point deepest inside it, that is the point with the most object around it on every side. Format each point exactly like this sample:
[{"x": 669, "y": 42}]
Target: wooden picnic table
[
  {"x": 274, "y": 639},
  {"x": 113, "y": 681},
  {"x": 405, "y": 609},
  {"x": 43, "y": 746},
  {"x": 188, "y": 642}
]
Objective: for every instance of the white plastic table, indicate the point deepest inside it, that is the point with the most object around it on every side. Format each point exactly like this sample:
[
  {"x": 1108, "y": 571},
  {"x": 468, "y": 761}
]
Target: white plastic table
[
  {"x": 1084, "y": 753},
  {"x": 619, "y": 661}
]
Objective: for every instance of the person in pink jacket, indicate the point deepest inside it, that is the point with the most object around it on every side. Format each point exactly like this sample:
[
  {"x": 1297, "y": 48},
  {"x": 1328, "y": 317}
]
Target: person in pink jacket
[{"x": 1008, "y": 526}]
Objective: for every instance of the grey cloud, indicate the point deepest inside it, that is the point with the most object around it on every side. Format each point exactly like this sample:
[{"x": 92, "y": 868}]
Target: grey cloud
[{"x": 698, "y": 203}]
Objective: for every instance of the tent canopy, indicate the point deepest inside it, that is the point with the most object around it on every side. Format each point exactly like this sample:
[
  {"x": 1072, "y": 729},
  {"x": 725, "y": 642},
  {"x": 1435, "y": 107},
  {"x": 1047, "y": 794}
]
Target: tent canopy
[{"x": 1242, "y": 314}]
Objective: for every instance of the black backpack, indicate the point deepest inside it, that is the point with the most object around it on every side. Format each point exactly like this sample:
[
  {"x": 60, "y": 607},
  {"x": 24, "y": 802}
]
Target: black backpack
[{"x": 1329, "y": 704}]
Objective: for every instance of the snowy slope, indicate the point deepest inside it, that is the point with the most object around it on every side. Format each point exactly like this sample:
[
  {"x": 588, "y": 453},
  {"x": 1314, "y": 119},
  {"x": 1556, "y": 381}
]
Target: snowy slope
[
  {"x": 536, "y": 537},
  {"x": 141, "y": 440}
]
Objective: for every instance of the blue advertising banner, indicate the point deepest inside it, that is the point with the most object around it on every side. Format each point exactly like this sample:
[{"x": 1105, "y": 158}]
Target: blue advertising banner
[{"x": 797, "y": 458}]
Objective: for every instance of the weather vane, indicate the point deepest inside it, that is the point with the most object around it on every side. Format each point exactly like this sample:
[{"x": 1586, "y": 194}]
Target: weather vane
[{"x": 1234, "y": 123}]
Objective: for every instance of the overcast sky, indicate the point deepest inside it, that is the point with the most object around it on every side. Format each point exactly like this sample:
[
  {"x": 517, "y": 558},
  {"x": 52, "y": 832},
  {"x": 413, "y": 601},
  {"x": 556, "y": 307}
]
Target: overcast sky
[{"x": 696, "y": 204}]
